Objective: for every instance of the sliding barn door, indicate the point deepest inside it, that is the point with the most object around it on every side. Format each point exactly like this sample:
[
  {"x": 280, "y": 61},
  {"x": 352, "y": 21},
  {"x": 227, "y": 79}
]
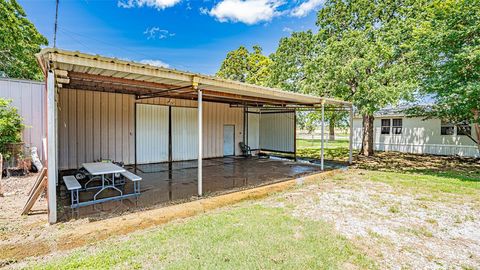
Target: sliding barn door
[
  {"x": 184, "y": 133},
  {"x": 152, "y": 133}
]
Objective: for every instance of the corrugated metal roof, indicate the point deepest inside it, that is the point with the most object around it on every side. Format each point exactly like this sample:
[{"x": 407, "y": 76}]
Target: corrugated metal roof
[{"x": 96, "y": 65}]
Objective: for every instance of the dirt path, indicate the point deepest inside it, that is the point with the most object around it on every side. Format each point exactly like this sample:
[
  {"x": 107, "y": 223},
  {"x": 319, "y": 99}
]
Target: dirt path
[{"x": 399, "y": 228}]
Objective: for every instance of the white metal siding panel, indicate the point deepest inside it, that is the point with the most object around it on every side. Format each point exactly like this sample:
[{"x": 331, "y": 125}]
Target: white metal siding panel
[
  {"x": 418, "y": 136},
  {"x": 29, "y": 98},
  {"x": 277, "y": 131},
  {"x": 152, "y": 133},
  {"x": 215, "y": 116},
  {"x": 253, "y": 131},
  {"x": 184, "y": 133}
]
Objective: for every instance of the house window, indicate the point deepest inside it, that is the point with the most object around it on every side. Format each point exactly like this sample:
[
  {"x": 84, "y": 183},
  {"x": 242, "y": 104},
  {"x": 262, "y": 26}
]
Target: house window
[
  {"x": 397, "y": 126},
  {"x": 386, "y": 123},
  {"x": 464, "y": 129},
  {"x": 447, "y": 128}
]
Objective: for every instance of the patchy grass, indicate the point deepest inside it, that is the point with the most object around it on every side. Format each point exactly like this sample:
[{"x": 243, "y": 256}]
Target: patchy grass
[
  {"x": 463, "y": 169},
  {"x": 334, "y": 150},
  {"x": 316, "y": 143},
  {"x": 246, "y": 237}
]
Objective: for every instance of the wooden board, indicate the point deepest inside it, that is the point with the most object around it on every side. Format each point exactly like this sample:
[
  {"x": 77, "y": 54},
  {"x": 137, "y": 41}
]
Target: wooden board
[
  {"x": 40, "y": 176},
  {"x": 35, "y": 195}
]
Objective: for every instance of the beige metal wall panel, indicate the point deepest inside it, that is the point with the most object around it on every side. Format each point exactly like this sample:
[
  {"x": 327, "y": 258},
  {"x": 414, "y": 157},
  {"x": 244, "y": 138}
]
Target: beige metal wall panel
[
  {"x": 152, "y": 133},
  {"x": 98, "y": 125},
  {"x": 184, "y": 133},
  {"x": 253, "y": 139},
  {"x": 29, "y": 98},
  {"x": 94, "y": 125},
  {"x": 277, "y": 131}
]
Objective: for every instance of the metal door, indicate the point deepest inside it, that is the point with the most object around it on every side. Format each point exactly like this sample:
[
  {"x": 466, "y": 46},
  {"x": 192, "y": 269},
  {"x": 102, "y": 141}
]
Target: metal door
[{"x": 228, "y": 140}]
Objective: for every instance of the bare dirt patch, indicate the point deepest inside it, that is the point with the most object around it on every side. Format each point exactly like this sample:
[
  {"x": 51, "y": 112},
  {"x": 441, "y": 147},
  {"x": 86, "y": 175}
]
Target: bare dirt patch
[{"x": 400, "y": 228}]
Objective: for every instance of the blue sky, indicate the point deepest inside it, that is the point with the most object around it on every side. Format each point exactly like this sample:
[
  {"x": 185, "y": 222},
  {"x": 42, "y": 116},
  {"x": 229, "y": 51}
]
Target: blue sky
[{"x": 193, "y": 35}]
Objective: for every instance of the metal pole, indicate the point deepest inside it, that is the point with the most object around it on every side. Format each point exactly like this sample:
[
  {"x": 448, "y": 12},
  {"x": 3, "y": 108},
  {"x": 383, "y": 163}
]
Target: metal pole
[
  {"x": 200, "y": 142},
  {"x": 51, "y": 148},
  {"x": 323, "y": 131},
  {"x": 350, "y": 154}
]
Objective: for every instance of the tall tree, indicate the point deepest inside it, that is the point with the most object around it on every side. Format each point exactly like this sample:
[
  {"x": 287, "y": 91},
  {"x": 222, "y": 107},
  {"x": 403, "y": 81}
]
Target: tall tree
[
  {"x": 244, "y": 66},
  {"x": 290, "y": 70},
  {"x": 448, "y": 45},
  {"x": 19, "y": 41},
  {"x": 290, "y": 61},
  {"x": 363, "y": 59}
]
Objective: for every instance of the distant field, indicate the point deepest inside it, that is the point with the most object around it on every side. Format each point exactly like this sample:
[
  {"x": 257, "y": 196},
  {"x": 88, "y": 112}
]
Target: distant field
[{"x": 334, "y": 150}]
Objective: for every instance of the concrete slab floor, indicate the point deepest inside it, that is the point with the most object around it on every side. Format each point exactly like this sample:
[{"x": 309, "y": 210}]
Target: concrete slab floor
[{"x": 164, "y": 184}]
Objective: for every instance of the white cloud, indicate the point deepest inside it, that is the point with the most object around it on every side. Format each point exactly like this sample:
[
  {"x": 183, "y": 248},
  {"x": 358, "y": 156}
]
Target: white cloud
[
  {"x": 246, "y": 11},
  {"x": 157, "y": 33},
  {"x": 306, "y": 7},
  {"x": 158, "y": 4},
  {"x": 157, "y": 63},
  {"x": 287, "y": 29}
]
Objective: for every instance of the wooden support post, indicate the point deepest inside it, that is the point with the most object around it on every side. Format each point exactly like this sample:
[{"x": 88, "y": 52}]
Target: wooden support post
[
  {"x": 51, "y": 148},
  {"x": 200, "y": 142},
  {"x": 350, "y": 146}
]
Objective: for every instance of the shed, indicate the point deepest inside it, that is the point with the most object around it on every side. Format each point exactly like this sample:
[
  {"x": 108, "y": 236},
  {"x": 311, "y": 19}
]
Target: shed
[{"x": 106, "y": 108}]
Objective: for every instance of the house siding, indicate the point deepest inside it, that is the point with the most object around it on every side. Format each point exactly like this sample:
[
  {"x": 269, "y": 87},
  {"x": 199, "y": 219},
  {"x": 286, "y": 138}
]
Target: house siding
[{"x": 418, "y": 136}]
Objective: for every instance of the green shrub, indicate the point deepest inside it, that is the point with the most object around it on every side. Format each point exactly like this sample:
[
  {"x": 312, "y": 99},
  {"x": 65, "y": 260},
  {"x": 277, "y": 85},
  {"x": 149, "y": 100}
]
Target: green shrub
[{"x": 11, "y": 126}]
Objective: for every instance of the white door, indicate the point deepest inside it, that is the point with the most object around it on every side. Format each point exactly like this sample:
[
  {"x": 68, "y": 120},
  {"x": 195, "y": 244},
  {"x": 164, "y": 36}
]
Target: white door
[
  {"x": 152, "y": 133},
  {"x": 184, "y": 133},
  {"x": 228, "y": 140}
]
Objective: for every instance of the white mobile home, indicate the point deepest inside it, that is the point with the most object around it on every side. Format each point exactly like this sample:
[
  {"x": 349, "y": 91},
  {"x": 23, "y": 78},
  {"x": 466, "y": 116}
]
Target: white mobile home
[{"x": 394, "y": 131}]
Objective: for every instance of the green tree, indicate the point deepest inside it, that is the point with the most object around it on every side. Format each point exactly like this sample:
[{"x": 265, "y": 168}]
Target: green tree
[
  {"x": 364, "y": 59},
  {"x": 289, "y": 72},
  {"x": 244, "y": 66},
  {"x": 448, "y": 45},
  {"x": 19, "y": 41},
  {"x": 291, "y": 59},
  {"x": 10, "y": 125}
]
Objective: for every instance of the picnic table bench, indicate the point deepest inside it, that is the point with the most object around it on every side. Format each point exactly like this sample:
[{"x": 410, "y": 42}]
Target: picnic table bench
[{"x": 101, "y": 170}]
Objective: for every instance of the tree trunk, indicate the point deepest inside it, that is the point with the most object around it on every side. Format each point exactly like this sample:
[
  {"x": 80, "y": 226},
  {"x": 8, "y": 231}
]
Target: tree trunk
[
  {"x": 367, "y": 140},
  {"x": 331, "y": 130},
  {"x": 476, "y": 126}
]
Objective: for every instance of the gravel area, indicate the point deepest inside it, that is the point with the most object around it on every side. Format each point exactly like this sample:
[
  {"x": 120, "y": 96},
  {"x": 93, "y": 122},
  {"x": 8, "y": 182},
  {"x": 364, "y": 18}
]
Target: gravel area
[{"x": 400, "y": 229}]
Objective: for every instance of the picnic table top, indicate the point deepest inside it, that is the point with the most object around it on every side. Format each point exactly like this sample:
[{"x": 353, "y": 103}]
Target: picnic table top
[{"x": 99, "y": 168}]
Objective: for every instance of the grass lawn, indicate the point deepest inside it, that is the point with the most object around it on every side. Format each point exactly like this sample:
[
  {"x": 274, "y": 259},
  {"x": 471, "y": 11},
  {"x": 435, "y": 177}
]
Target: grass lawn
[
  {"x": 394, "y": 210},
  {"x": 249, "y": 236},
  {"x": 334, "y": 150}
]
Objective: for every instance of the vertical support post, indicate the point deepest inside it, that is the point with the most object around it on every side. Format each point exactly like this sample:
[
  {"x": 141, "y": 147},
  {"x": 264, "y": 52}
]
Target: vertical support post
[
  {"x": 322, "y": 159},
  {"x": 200, "y": 142},
  {"x": 350, "y": 146},
  {"x": 51, "y": 148},
  {"x": 295, "y": 135}
]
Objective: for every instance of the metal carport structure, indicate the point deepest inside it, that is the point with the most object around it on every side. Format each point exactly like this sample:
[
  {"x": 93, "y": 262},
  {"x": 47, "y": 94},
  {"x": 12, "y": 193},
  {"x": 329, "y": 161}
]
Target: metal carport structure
[{"x": 132, "y": 83}]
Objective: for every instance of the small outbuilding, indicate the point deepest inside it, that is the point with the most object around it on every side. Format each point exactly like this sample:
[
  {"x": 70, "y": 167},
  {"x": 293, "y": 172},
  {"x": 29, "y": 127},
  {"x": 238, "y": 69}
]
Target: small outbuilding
[{"x": 159, "y": 118}]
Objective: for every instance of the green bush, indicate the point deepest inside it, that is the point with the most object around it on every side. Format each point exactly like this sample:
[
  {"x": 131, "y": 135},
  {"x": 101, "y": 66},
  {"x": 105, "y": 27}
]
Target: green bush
[{"x": 11, "y": 126}]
